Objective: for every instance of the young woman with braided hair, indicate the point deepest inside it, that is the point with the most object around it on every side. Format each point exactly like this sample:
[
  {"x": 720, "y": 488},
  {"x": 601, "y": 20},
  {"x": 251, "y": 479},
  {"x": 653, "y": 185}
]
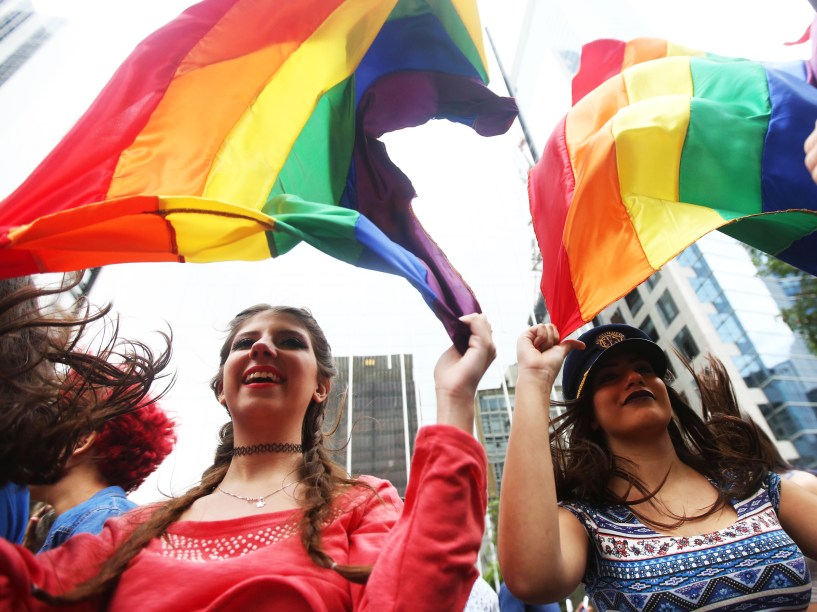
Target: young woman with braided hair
[{"x": 274, "y": 523}]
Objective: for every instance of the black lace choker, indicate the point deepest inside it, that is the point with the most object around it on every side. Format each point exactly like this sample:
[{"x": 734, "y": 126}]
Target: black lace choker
[{"x": 271, "y": 447}]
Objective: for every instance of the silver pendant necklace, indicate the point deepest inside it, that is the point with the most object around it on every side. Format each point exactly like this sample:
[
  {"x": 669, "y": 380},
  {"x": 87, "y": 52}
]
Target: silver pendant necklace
[{"x": 259, "y": 502}]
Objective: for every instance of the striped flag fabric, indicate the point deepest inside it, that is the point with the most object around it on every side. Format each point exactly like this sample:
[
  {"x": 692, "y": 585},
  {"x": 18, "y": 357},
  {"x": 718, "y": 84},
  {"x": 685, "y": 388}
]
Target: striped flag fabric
[
  {"x": 244, "y": 127},
  {"x": 662, "y": 147}
]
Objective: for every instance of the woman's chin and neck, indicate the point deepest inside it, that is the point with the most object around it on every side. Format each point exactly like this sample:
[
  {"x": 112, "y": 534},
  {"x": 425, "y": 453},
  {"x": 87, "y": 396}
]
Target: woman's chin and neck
[
  {"x": 650, "y": 457},
  {"x": 265, "y": 448}
]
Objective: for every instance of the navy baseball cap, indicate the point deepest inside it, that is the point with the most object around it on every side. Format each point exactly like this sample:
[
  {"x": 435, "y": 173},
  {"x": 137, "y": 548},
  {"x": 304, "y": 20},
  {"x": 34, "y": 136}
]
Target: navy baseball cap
[{"x": 606, "y": 341}]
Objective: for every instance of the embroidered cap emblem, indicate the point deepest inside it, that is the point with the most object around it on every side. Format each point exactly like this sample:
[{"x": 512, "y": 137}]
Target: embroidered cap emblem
[{"x": 609, "y": 338}]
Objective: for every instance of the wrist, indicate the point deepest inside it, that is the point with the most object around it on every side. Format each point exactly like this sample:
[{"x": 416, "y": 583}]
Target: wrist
[
  {"x": 536, "y": 376},
  {"x": 456, "y": 408},
  {"x": 456, "y": 417},
  {"x": 456, "y": 396}
]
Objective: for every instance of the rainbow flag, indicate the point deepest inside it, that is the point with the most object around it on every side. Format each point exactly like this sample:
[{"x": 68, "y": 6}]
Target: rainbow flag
[
  {"x": 661, "y": 154},
  {"x": 605, "y": 58},
  {"x": 244, "y": 127}
]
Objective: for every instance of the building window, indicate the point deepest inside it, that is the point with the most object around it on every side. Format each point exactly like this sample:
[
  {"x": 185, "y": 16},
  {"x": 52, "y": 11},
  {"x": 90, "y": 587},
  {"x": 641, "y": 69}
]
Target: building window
[
  {"x": 648, "y": 327},
  {"x": 688, "y": 257},
  {"x": 14, "y": 61},
  {"x": 686, "y": 344},
  {"x": 671, "y": 376},
  {"x": 634, "y": 301},
  {"x": 667, "y": 308},
  {"x": 617, "y": 317},
  {"x": 11, "y": 21},
  {"x": 569, "y": 59},
  {"x": 652, "y": 281},
  {"x": 729, "y": 327}
]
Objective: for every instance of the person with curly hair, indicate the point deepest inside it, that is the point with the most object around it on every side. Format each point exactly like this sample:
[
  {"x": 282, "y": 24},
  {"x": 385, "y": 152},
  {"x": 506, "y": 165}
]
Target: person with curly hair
[
  {"x": 106, "y": 465},
  {"x": 633, "y": 494},
  {"x": 42, "y": 333},
  {"x": 274, "y": 523}
]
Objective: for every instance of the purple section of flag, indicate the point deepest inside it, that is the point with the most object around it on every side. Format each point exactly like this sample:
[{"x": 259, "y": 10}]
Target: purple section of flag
[{"x": 383, "y": 193}]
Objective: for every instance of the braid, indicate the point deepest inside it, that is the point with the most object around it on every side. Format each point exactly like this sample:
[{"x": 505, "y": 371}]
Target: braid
[
  {"x": 317, "y": 504},
  {"x": 323, "y": 479},
  {"x": 105, "y": 581}
]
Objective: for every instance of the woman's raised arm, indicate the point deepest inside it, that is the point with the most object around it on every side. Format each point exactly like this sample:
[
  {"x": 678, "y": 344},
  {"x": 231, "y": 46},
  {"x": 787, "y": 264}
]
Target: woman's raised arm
[
  {"x": 542, "y": 548},
  {"x": 456, "y": 376},
  {"x": 426, "y": 561}
]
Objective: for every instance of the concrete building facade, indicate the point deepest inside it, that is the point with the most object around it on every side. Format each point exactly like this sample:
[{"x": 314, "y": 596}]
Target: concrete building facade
[{"x": 376, "y": 432}]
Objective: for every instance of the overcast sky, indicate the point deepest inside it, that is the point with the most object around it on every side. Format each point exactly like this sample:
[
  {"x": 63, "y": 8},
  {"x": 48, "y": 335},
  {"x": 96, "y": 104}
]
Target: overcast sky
[{"x": 472, "y": 201}]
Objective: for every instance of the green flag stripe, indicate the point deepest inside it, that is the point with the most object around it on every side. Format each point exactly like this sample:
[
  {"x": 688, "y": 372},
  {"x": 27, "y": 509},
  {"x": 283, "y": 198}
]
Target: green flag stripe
[{"x": 723, "y": 149}]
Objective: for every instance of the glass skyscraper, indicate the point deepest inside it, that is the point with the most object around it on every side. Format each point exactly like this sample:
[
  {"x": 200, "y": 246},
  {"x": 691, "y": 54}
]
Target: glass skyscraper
[
  {"x": 745, "y": 312},
  {"x": 378, "y": 425}
]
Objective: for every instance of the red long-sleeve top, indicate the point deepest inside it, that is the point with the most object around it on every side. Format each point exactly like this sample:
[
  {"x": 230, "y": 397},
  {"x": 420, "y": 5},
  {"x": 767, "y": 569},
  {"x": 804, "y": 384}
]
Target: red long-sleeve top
[{"x": 423, "y": 553}]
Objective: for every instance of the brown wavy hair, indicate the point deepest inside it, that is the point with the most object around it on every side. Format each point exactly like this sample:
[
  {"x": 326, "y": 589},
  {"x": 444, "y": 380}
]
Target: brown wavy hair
[
  {"x": 724, "y": 448},
  {"x": 723, "y": 407},
  {"x": 324, "y": 479},
  {"x": 43, "y": 331}
]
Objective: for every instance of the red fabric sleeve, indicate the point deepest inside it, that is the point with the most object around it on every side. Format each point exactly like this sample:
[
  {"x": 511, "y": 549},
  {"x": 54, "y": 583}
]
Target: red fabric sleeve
[
  {"x": 423, "y": 557},
  {"x": 58, "y": 570},
  {"x": 427, "y": 560}
]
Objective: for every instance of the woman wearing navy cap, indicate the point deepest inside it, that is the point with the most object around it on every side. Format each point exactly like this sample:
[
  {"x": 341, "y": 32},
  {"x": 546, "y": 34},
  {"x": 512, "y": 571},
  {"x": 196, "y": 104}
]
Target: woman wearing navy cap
[{"x": 635, "y": 495}]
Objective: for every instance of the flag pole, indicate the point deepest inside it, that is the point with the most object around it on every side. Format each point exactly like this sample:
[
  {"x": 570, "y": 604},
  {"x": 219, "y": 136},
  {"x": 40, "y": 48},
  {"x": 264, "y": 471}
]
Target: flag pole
[{"x": 511, "y": 92}]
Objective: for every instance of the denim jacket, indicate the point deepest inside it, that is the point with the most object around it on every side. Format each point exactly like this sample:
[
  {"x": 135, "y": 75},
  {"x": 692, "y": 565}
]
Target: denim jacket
[{"x": 88, "y": 517}]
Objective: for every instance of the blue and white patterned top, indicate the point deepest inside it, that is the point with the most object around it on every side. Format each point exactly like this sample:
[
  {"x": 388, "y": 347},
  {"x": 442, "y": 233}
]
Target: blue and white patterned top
[{"x": 751, "y": 565}]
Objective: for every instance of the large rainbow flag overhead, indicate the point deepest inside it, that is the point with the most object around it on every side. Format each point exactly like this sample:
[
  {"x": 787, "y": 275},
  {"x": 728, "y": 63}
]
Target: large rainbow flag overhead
[
  {"x": 663, "y": 152},
  {"x": 244, "y": 127}
]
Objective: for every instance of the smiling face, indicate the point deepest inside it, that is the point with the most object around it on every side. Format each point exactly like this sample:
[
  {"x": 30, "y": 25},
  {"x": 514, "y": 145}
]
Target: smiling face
[
  {"x": 271, "y": 369},
  {"x": 629, "y": 400}
]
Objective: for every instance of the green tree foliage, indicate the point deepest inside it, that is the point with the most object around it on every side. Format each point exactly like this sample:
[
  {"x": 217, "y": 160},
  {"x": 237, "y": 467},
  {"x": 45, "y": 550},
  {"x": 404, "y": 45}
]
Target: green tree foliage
[{"x": 802, "y": 316}]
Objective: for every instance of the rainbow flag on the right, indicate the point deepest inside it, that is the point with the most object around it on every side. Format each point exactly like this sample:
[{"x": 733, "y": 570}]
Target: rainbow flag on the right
[{"x": 662, "y": 153}]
